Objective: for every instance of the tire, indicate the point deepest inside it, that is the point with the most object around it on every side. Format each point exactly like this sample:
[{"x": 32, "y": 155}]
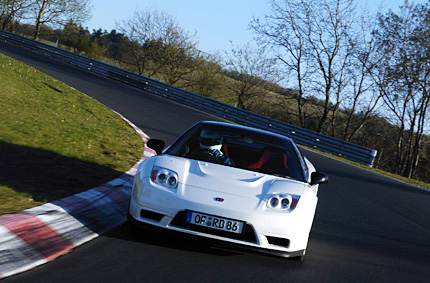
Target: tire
[{"x": 299, "y": 258}]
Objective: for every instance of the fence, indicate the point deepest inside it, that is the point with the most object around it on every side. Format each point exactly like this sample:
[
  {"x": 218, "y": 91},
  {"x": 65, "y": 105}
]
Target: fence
[{"x": 301, "y": 136}]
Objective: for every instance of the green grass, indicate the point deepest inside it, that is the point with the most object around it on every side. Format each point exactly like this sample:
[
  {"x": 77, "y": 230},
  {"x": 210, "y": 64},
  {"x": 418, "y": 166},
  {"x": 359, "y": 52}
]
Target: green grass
[{"x": 55, "y": 141}]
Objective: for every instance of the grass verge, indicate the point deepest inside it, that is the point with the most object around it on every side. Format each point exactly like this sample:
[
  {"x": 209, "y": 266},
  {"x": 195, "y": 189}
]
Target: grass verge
[
  {"x": 413, "y": 182},
  {"x": 55, "y": 141}
]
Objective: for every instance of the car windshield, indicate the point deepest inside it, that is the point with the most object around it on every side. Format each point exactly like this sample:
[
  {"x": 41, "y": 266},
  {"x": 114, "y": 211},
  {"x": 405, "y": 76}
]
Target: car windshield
[{"x": 239, "y": 148}]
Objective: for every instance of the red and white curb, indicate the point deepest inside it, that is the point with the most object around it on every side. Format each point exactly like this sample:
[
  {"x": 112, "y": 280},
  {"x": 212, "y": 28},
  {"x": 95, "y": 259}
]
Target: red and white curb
[{"x": 37, "y": 235}]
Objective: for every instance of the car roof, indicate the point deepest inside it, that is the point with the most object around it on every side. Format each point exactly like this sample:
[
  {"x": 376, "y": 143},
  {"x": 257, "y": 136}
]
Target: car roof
[{"x": 246, "y": 128}]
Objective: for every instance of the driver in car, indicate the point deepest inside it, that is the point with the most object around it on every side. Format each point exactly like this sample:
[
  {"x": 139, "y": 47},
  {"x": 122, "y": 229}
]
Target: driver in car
[{"x": 211, "y": 142}]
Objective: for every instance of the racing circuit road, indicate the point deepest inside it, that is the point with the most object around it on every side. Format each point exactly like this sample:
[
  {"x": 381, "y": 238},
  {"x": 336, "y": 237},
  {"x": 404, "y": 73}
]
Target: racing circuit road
[{"x": 367, "y": 227}]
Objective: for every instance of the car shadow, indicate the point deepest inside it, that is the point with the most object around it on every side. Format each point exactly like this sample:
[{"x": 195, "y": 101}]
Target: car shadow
[
  {"x": 159, "y": 237},
  {"x": 48, "y": 176},
  {"x": 168, "y": 239}
]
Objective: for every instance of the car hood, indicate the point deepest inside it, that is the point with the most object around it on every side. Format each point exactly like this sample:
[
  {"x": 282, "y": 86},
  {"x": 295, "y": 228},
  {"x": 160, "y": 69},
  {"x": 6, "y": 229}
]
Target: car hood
[{"x": 226, "y": 179}]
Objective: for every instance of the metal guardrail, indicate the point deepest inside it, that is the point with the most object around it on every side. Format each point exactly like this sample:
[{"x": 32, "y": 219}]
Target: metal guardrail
[{"x": 301, "y": 136}]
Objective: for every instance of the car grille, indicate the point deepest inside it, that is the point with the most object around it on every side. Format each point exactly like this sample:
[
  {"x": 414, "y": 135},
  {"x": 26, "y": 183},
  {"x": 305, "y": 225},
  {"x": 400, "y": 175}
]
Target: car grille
[
  {"x": 278, "y": 241},
  {"x": 248, "y": 234},
  {"x": 151, "y": 215}
]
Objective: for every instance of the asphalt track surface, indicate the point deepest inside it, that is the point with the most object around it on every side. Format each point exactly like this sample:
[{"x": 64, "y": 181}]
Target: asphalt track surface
[{"x": 367, "y": 227}]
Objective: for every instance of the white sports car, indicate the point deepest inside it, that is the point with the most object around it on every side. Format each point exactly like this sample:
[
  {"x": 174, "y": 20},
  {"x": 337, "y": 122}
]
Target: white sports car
[{"x": 240, "y": 185}]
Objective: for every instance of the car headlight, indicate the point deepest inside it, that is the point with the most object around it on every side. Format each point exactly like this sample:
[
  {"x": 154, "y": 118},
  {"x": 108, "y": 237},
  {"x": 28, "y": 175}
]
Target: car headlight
[
  {"x": 164, "y": 177},
  {"x": 283, "y": 201}
]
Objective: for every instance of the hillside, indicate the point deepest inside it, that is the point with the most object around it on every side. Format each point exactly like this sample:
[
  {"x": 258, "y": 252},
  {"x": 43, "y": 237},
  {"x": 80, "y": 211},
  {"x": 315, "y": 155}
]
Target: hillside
[{"x": 55, "y": 141}]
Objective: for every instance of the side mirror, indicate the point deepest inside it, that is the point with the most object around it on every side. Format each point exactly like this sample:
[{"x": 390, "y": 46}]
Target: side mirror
[
  {"x": 318, "y": 178},
  {"x": 156, "y": 144}
]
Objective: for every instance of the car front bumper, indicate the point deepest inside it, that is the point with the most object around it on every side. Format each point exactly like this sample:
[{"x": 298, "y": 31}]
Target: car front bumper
[{"x": 261, "y": 234}]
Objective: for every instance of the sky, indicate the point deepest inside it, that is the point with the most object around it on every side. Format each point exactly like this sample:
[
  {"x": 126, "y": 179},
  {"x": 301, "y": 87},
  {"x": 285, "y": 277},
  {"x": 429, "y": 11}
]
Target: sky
[{"x": 216, "y": 23}]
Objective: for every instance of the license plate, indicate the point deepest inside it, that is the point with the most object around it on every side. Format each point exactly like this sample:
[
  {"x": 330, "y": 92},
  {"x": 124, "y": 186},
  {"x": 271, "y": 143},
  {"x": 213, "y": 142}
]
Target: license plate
[{"x": 215, "y": 222}]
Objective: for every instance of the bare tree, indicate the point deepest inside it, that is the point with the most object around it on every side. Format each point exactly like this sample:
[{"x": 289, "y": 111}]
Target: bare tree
[
  {"x": 404, "y": 77},
  {"x": 288, "y": 39},
  {"x": 362, "y": 96},
  {"x": 159, "y": 46},
  {"x": 178, "y": 58},
  {"x": 312, "y": 39},
  {"x": 59, "y": 12},
  {"x": 146, "y": 30},
  {"x": 253, "y": 71},
  {"x": 11, "y": 11}
]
